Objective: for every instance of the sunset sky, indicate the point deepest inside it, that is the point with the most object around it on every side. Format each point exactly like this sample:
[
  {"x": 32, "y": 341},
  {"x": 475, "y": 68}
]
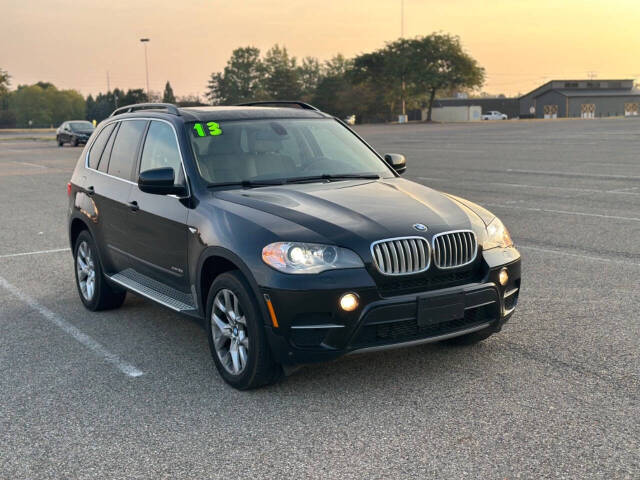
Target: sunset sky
[{"x": 521, "y": 43}]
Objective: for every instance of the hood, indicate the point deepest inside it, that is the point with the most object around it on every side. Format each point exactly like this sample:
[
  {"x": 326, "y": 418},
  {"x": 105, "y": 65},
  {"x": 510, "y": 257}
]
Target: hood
[{"x": 359, "y": 211}]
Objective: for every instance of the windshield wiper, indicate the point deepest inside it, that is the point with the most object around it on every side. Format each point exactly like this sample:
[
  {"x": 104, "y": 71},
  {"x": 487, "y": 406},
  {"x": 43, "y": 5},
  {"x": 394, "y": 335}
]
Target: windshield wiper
[
  {"x": 247, "y": 183},
  {"x": 333, "y": 178}
]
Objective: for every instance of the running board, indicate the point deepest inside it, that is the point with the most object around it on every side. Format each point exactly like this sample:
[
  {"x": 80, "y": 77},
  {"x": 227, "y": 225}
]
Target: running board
[{"x": 154, "y": 290}]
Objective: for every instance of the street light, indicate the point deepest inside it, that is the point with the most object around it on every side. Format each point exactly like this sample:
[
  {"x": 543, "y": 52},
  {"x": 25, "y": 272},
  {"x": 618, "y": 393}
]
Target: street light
[{"x": 146, "y": 64}]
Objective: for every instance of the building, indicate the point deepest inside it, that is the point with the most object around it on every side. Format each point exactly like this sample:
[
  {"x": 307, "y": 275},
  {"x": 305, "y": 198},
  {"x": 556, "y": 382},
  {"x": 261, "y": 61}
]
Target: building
[
  {"x": 447, "y": 114},
  {"x": 509, "y": 106},
  {"x": 581, "y": 99}
]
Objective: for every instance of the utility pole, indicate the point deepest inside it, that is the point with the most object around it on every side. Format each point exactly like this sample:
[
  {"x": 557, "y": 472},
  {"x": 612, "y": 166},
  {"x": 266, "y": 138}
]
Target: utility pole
[
  {"x": 404, "y": 103},
  {"x": 401, "y": 18},
  {"x": 146, "y": 64}
]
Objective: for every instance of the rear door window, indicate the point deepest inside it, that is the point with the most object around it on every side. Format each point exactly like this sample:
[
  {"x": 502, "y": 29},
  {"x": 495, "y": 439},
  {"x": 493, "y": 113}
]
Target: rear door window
[
  {"x": 98, "y": 146},
  {"x": 161, "y": 150},
  {"x": 125, "y": 148}
]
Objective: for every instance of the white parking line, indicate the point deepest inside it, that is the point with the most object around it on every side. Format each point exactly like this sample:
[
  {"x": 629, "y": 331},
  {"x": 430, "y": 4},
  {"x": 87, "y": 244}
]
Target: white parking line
[
  {"x": 564, "y": 212},
  {"x": 579, "y": 255},
  {"x": 572, "y": 174},
  {"x": 37, "y": 252},
  {"x": 30, "y": 164},
  {"x": 622, "y": 191},
  {"x": 98, "y": 349}
]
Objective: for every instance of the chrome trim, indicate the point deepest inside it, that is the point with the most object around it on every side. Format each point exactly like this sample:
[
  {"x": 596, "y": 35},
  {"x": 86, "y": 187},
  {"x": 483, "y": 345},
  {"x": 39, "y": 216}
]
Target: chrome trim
[
  {"x": 404, "y": 255},
  {"x": 510, "y": 292},
  {"x": 480, "y": 305},
  {"x": 412, "y": 343},
  {"x": 306, "y": 327},
  {"x": 118, "y": 120},
  {"x": 450, "y": 250},
  {"x": 508, "y": 312}
]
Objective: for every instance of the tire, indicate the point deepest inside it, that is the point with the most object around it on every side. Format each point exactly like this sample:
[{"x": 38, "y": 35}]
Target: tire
[
  {"x": 95, "y": 293},
  {"x": 60, "y": 142},
  {"x": 74, "y": 141},
  {"x": 229, "y": 333},
  {"x": 473, "y": 337}
]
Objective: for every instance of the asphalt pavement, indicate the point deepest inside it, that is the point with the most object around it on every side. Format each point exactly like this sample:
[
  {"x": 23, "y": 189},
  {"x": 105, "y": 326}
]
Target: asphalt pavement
[{"x": 555, "y": 395}]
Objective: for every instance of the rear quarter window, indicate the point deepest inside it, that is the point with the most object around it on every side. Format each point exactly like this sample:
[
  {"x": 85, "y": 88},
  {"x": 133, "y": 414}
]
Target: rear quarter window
[{"x": 98, "y": 146}]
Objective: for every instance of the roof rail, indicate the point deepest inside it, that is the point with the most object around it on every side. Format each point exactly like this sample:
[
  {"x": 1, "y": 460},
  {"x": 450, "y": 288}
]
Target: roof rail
[
  {"x": 171, "y": 108},
  {"x": 277, "y": 103}
]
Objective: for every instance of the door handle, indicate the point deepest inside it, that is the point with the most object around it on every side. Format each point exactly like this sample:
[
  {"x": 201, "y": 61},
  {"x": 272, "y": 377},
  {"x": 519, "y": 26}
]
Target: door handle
[
  {"x": 89, "y": 190},
  {"x": 134, "y": 206}
]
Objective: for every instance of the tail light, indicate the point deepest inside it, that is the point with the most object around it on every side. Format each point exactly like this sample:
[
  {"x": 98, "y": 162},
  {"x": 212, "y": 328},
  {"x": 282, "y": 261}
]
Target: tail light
[{"x": 68, "y": 189}]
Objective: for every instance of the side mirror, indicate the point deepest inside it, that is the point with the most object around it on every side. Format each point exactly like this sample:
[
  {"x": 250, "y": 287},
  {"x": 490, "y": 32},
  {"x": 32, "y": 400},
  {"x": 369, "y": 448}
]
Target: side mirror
[
  {"x": 397, "y": 162},
  {"x": 159, "y": 181}
]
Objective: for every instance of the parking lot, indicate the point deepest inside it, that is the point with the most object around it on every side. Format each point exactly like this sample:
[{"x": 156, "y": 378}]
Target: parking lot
[{"x": 555, "y": 395}]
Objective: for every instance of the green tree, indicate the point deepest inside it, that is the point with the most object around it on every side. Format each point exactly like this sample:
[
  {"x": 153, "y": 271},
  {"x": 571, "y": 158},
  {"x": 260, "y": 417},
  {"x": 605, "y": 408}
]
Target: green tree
[
  {"x": 412, "y": 70},
  {"x": 168, "y": 96},
  {"x": 440, "y": 63},
  {"x": 282, "y": 80},
  {"x": 241, "y": 80},
  {"x": 309, "y": 75},
  {"x": 5, "y": 81}
]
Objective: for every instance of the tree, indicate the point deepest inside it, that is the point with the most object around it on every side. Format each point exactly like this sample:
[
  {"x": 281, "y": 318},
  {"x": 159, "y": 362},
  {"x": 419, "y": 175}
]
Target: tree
[
  {"x": 309, "y": 75},
  {"x": 4, "y": 83},
  {"x": 241, "y": 80},
  {"x": 412, "y": 70},
  {"x": 281, "y": 75},
  {"x": 439, "y": 62},
  {"x": 168, "y": 96}
]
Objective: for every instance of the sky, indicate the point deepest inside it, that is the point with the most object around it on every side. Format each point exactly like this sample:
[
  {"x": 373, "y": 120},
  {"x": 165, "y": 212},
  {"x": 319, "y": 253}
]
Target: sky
[{"x": 520, "y": 43}]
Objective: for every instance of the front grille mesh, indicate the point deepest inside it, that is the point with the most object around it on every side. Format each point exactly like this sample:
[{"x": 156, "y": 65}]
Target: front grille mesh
[
  {"x": 402, "y": 256},
  {"x": 454, "y": 249}
]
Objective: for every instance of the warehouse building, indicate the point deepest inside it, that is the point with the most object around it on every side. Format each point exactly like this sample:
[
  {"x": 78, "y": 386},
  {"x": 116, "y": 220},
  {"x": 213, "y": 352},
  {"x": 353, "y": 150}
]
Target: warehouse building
[{"x": 581, "y": 99}]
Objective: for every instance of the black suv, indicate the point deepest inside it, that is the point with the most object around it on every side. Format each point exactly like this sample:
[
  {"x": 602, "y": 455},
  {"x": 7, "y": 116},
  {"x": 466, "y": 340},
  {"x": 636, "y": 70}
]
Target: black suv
[
  {"x": 285, "y": 233},
  {"x": 75, "y": 132}
]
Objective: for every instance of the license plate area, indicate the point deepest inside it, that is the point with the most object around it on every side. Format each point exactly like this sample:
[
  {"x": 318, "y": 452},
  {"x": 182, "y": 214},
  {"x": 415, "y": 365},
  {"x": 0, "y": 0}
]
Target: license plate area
[{"x": 443, "y": 308}]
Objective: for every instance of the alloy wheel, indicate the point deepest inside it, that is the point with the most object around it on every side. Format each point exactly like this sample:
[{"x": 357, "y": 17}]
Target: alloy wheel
[
  {"x": 86, "y": 270},
  {"x": 229, "y": 331}
]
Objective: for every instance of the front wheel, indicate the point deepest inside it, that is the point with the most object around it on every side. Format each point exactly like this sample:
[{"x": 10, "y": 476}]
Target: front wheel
[
  {"x": 95, "y": 292},
  {"x": 60, "y": 142},
  {"x": 75, "y": 142},
  {"x": 236, "y": 334}
]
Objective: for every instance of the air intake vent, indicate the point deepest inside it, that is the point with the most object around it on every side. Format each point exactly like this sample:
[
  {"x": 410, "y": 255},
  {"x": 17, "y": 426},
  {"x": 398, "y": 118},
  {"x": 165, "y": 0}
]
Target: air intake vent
[
  {"x": 454, "y": 249},
  {"x": 401, "y": 256}
]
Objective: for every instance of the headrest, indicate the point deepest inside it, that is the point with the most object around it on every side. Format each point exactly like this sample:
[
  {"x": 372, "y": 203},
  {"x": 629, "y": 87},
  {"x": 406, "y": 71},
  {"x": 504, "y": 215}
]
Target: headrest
[
  {"x": 265, "y": 142},
  {"x": 222, "y": 144}
]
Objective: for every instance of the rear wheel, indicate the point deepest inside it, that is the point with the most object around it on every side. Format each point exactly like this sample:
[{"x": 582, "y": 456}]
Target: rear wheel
[
  {"x": 473, "y": 337},
  {"x": 236, "y": 334},
  {"x": 95, "y": 292}
]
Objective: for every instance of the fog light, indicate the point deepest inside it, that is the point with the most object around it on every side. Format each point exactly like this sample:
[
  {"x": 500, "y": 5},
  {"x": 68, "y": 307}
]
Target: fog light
[
  {"x": 349, "y": 302},
  {"x": 503, "y": 277}
]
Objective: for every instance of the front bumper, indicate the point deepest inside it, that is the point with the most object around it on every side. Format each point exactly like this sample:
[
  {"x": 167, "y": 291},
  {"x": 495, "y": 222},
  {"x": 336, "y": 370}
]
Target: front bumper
[{"x": 312, "y": 328}]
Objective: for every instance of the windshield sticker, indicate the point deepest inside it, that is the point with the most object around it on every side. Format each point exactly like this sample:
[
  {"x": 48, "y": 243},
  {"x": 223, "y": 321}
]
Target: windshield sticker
[{"x": 212, "y": 129}]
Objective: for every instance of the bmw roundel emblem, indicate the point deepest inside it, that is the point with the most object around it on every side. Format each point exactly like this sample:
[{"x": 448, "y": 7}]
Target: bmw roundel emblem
[{"x": 420, "y": 227}]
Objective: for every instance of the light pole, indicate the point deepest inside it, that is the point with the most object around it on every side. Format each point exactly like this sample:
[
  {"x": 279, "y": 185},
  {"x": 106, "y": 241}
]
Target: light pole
[{"x": 146, "y": 64}]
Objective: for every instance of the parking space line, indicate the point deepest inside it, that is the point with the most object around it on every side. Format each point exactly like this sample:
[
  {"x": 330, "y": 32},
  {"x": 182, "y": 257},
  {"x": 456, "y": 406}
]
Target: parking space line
[
  {"x": 622, "y": 191},
  {"x": 579, "y": 255},
  {"x": 29, "y": 164},
  {"x": 97, "y": 348},
  {"x": 564, "y": 212},
  {"x": 37, "y": 252}
]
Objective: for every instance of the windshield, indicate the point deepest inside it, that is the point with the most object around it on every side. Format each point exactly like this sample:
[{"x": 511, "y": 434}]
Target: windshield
[
  {"x": 80, "y": 126},
  {"x": 280, "y": 149}
]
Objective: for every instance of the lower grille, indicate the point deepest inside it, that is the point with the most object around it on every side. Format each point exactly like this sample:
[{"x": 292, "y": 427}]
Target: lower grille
[
  {"x": 427, "y": 282},
  {"x": 407, "y": 330}
]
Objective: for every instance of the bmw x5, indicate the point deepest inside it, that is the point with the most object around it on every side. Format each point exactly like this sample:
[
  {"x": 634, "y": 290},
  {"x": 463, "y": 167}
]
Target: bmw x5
[{"x": 285, "y": 233}]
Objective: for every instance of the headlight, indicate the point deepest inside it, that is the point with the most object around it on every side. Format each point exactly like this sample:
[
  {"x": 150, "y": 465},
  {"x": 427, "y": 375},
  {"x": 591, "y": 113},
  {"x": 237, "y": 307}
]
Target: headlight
[
  {"x": 293, "y": 257},
  {"x": 497, "y": 235}
]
